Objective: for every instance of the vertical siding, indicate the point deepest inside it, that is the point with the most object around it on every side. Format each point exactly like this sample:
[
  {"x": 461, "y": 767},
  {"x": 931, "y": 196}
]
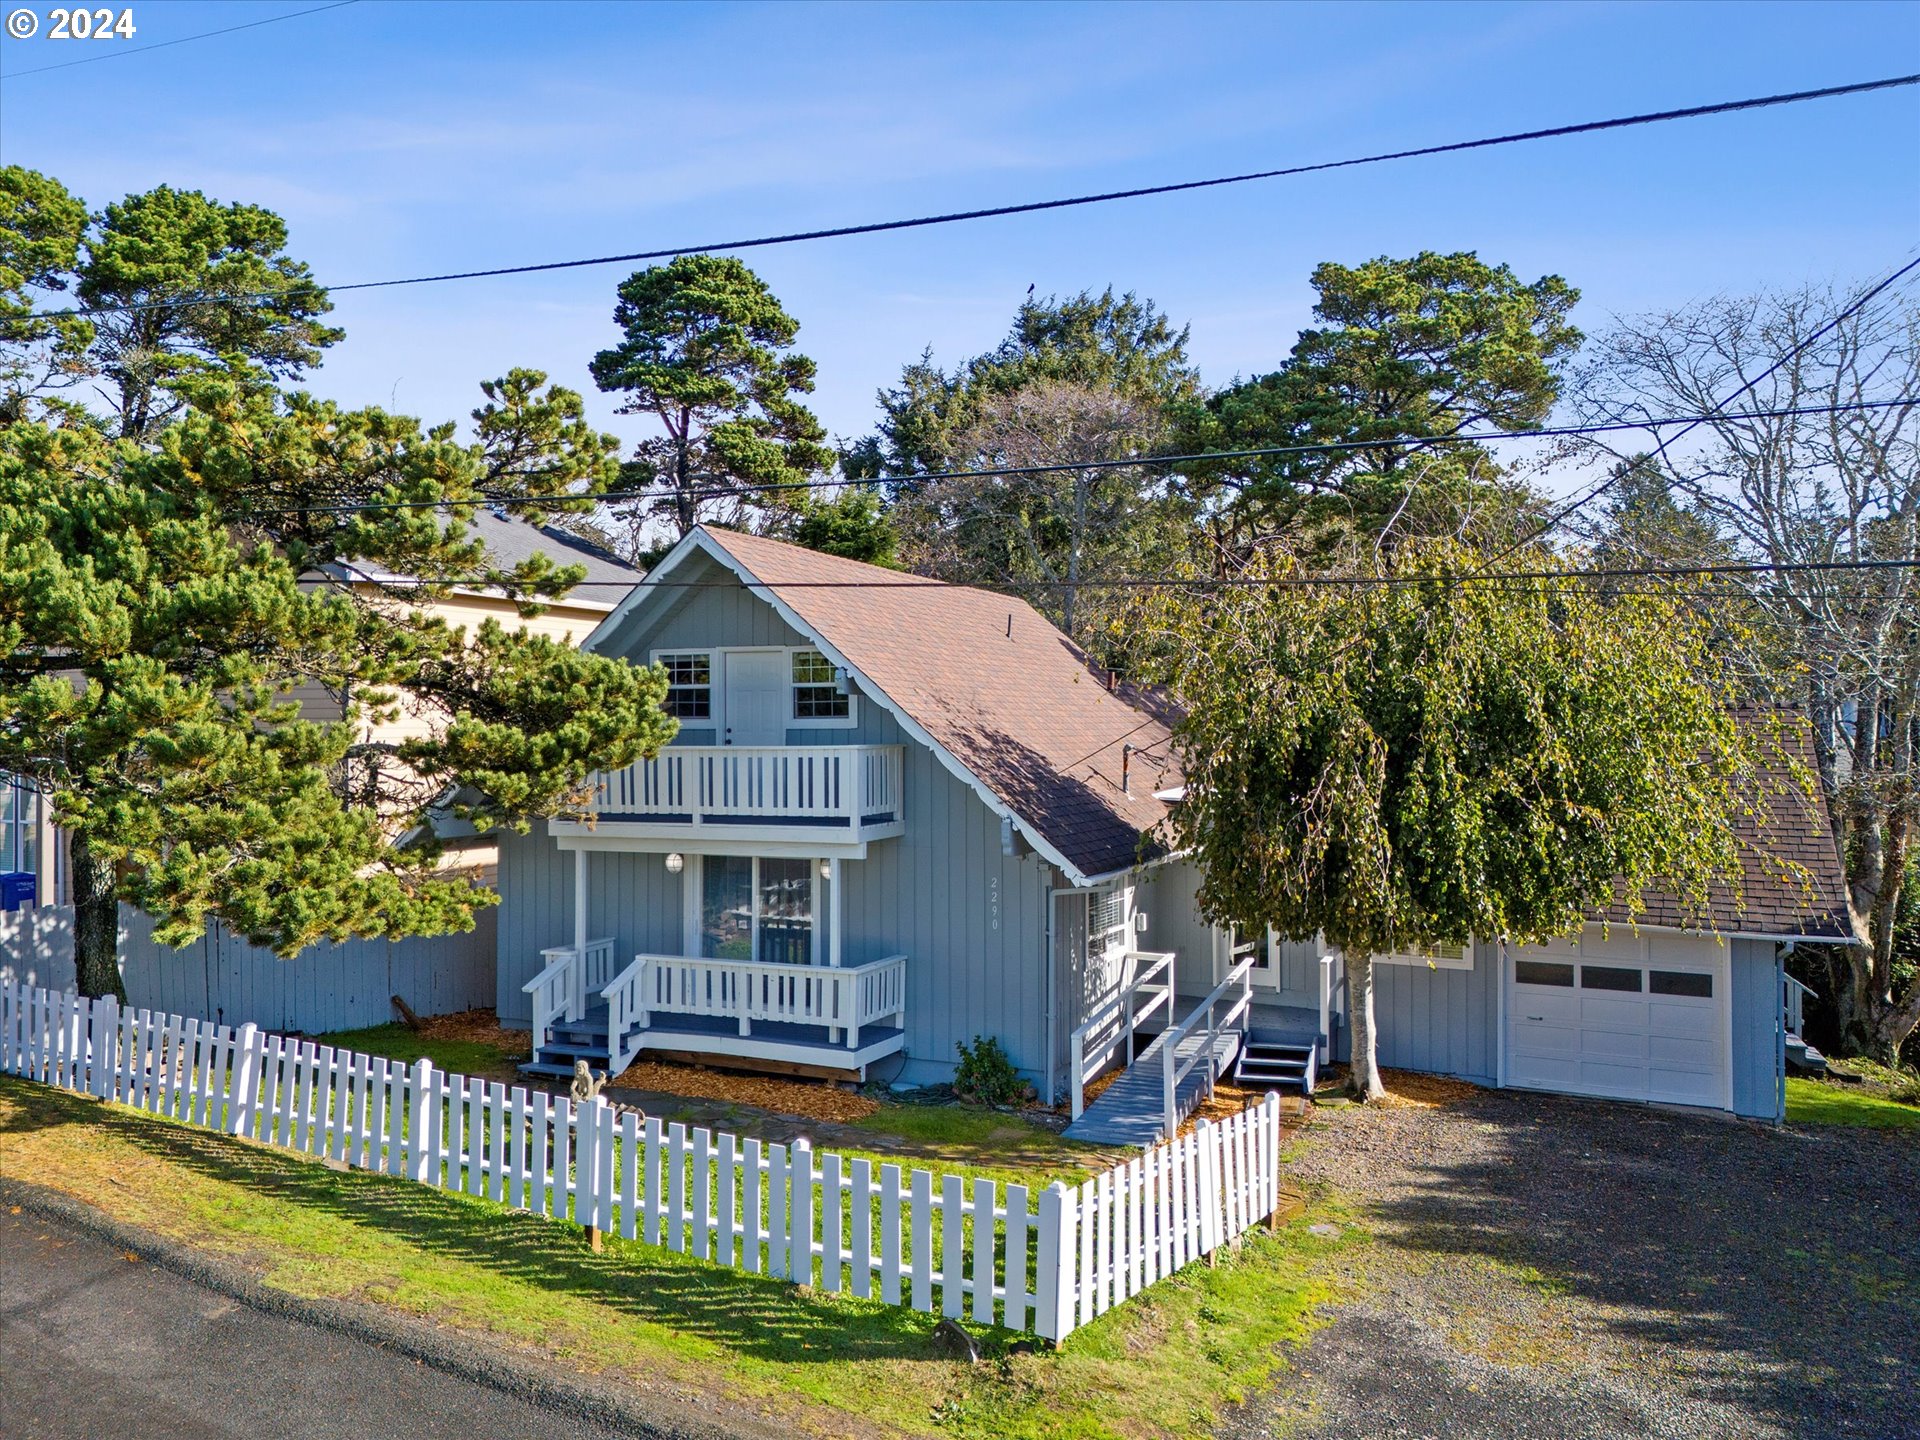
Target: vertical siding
[
  {"x": 1758, "y": 1041},
  {"x": 970, "y": 920},
  {"x": 1167, "y": 895},
  {"x": 1442, "y": 1021},
  {"x": 221, "y": 977}
]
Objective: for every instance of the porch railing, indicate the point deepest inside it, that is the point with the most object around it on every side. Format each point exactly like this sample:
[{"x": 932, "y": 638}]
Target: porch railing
[
  {"x": 561, "y": 990},
  {"x": 1793, "y": 998},
  {"x": 838, "y": 998},
  {"x": 1207, "y": 1018},
  {"x": 808, "y": 784},
  {"x": 1124, "y": 1011}
]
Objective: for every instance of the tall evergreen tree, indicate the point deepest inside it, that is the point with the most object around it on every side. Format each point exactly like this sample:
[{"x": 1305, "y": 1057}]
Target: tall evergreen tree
[
  {"x": 706, "y": 352},
  {"x": 180, "y": 288},
  {"x": 1407, "y": 350},
  {"x": 160, "y": 602}
]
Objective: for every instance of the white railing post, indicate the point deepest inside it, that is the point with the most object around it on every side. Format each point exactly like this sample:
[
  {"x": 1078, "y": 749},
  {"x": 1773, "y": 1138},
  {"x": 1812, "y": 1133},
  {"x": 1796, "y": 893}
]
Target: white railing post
[
  {"x": 1326, "y": 1009},
  {"x": 1170, "y": 1087},
  {"x": 244, "y": 1086}
]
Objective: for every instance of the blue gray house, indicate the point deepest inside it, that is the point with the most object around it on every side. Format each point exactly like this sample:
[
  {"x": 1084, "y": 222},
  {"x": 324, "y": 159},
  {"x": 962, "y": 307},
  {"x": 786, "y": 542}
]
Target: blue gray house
[{"x": 899, "y": 815}]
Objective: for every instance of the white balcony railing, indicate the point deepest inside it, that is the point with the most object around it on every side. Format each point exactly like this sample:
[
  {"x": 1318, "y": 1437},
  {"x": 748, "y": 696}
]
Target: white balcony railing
[{"x": 815, "y": 785}]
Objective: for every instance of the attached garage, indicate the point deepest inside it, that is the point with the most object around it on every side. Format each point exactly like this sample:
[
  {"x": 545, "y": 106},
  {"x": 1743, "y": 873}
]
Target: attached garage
[{"x": 1622, "y": 1016}]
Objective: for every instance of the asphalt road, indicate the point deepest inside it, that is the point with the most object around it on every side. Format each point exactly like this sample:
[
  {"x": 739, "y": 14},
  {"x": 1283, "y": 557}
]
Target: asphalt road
[{"x": 95, "y": 1345}]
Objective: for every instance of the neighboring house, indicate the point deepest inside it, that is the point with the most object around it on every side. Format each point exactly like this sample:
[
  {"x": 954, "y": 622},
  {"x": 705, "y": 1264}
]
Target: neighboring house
[
  {"x": 29, "y": 841},
  {"x": 29, "y": 846},
  {"x": 569, "y": 619},
  {"x": 900, "y": 814}
]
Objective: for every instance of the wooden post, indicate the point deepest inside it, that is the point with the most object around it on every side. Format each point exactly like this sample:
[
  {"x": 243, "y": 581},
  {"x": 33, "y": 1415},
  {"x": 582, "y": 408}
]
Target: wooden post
[
  {"x": 1054, "y": 1278},
  {"x": 421, "y": 1094},
  {"x": 245, "y": 1082},
  {"x": 577, "y": 1000}
]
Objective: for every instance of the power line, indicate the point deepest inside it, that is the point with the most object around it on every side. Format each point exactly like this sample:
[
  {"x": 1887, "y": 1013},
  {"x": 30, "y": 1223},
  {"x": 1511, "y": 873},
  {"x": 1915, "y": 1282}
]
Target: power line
[
  {"x": 1034, "y": 206},
  {"x": 118, "y": 52},
  {"x": 1854, "y": 307},
  {"x": 1131, "y": 463},
  {"x": 1221, "y": 582}
]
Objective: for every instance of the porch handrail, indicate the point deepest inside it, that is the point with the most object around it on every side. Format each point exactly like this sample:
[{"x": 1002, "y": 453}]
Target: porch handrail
[
  {"x": 1120, "y": 1002},
  {"x": 549, "y": 990},
  {"x": 843, "y": 997},
  {"x": 1793, "y": 996},
  {"x": 1172, "y": 1069}
]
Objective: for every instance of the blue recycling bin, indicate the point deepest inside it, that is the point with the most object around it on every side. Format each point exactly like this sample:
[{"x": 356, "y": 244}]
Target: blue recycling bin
[{"x": 17, "y": 888}]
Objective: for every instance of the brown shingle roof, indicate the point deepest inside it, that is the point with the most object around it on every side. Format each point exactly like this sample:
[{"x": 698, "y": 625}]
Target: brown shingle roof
[
  {"x": 1012, "y": 699},
  {"x": 996, "y": 686},
  {"x": 1773, "y": 901}
]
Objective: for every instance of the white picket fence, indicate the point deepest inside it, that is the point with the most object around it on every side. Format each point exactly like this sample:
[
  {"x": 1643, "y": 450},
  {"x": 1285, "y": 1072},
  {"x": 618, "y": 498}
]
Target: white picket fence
[{"x": 1046, "y": 1261}]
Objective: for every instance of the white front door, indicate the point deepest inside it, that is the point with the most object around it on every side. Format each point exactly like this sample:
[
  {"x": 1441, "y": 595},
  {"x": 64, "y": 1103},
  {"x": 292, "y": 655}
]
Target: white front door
[
  {"x": 1628, "y": 1018},
  {"x": 755, "y": 692}
]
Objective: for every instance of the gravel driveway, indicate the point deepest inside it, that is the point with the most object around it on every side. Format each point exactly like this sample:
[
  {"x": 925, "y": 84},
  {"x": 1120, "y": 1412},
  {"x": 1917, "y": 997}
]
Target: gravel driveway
[{"x": 1552, "y": 1268}]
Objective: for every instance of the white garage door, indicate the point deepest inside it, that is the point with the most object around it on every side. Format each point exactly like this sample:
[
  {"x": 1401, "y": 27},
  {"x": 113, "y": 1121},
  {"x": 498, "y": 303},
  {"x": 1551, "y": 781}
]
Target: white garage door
[{"x": 1625, "y": 1017}]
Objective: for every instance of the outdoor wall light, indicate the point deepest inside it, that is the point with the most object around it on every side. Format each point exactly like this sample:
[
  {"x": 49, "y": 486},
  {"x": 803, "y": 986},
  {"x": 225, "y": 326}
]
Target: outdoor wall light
[
  {"x": 826, "y": 869},
  {"x": 675, "y": 863}
]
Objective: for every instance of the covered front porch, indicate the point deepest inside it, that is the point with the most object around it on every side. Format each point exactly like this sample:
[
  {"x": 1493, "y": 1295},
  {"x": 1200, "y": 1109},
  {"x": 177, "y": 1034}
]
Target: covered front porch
[{"x": 760, "y": 979}]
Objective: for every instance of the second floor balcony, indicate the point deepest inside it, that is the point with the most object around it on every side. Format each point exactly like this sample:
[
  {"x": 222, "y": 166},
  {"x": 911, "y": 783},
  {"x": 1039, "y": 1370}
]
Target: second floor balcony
[{"x": 838, "y": 794}]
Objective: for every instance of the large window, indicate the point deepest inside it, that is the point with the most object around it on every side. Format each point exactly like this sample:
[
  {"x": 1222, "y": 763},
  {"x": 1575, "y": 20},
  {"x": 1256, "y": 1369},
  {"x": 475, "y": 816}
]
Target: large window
[
  {"x": 816, "y": 695},
  {"x": 757, "y": 908},
  {"x": 689, "y": 684}
]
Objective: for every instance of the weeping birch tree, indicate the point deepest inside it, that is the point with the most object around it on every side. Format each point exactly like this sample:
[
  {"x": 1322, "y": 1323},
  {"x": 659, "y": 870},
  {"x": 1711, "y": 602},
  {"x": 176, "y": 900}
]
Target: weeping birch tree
[{"x": 1409, "y": 760}]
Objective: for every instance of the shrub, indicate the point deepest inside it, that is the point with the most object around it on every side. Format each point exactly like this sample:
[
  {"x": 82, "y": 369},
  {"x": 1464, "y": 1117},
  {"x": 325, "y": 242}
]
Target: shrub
[{"x": 986, "y": 1076}]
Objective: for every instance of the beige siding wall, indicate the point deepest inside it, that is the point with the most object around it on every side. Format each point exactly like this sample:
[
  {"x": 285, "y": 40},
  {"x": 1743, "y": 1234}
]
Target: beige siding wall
[{"x": 569, "y": 624}]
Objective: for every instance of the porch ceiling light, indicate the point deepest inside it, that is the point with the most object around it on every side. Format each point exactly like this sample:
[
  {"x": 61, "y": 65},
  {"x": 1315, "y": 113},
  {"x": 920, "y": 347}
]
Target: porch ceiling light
[{"x": 675, "y": 863}]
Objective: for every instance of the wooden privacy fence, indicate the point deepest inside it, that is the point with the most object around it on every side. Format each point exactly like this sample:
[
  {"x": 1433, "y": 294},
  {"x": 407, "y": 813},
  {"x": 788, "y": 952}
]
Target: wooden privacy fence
[{"x": 1046, "y": 1261}]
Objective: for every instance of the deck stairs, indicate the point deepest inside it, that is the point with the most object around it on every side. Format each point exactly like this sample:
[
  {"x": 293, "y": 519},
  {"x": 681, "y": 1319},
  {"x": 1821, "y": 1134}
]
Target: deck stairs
[
  {"x": 1132, "y": 1110},
  {"x": 1803, "y": 1058},
  {"x": 1269, "y": 1062},
  {"x": 571, "y": 1040}
]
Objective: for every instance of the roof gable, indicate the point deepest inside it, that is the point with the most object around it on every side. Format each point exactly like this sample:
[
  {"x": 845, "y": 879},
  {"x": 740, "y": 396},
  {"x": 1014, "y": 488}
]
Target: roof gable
[{"x": 987, "y": 682}]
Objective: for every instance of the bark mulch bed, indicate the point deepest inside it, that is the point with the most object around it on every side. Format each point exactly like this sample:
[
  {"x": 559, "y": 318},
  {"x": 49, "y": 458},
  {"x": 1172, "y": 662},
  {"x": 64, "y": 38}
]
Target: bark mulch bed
[
  {"x": 478, "y": 1027},
  {"x": 802, "y": 1099}
]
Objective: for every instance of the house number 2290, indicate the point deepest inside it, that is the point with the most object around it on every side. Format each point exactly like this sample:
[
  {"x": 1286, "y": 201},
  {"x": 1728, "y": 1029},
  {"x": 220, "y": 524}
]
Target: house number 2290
[{"x": 993, "y": 902}]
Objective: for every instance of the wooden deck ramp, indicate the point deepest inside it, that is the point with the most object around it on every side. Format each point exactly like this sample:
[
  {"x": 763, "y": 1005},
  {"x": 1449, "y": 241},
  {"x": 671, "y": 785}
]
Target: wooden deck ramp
[{"x": 1132, "y": 1110}]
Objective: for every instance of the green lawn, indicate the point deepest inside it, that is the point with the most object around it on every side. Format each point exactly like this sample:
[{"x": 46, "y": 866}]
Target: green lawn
[
  {"x": 462, "y": 1057},
  {"x": 1158, "y": 1366},
  {"x": 1819, "y": 1102}
]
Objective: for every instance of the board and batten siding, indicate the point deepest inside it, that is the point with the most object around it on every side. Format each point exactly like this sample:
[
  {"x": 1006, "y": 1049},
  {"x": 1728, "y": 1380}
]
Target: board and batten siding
[
  {"x": 970, "y": 920},
  {"x": 1166, "y": 895},
  {"x": 220, "y": 977},
  {"x": 1759, "y": 1041},
  {"x": 1445, "y": 1022}
]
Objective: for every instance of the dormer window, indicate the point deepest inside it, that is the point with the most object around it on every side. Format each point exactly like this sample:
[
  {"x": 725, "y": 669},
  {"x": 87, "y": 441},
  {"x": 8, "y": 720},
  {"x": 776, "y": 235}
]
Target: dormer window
[
  {"x": 817, "y": 692},
  {"x": 689, "y": 684}
]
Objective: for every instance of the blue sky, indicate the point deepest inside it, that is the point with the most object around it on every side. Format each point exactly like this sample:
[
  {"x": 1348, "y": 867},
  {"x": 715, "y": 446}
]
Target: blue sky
[{"x": 402, "y": 138}]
